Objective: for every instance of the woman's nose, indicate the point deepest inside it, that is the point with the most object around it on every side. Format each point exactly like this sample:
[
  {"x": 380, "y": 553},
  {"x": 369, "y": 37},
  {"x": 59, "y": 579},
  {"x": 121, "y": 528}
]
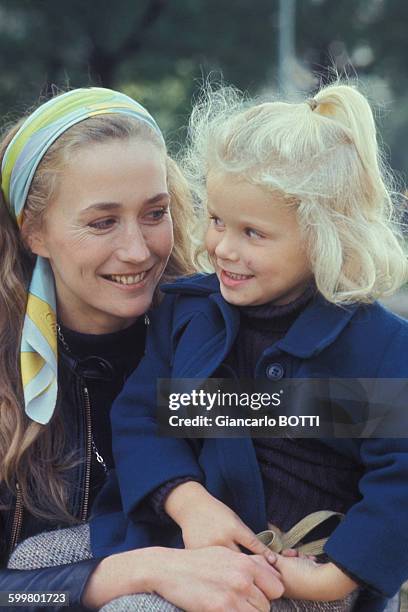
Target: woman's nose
[{"x": 133, "y": 246}]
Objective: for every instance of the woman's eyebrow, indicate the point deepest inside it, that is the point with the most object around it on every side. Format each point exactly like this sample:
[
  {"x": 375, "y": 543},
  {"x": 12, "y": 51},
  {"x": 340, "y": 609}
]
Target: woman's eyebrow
[
  {"x": 102, "y": 206},
  {"x": 158, "y": 198}
]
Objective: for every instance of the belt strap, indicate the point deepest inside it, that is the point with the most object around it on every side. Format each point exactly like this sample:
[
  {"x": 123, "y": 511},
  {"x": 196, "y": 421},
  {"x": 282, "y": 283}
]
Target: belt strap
[{"x": 278, "y": 540}]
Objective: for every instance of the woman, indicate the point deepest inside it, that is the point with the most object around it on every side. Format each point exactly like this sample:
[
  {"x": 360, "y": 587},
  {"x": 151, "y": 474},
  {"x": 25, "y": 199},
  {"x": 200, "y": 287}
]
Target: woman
[{"x": 85, "y": 236}]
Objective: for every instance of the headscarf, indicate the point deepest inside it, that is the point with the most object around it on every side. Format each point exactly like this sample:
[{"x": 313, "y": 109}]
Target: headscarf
[{"x": 38, "y": 353}]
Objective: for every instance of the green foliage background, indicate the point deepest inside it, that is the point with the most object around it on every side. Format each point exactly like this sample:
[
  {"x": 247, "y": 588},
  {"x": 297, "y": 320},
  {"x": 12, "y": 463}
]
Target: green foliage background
[{"x": 159, "y": 50}]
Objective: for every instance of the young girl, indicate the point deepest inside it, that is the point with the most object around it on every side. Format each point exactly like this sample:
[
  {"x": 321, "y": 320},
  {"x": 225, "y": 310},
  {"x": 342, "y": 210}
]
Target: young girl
[{"x": 301, "y": 240}]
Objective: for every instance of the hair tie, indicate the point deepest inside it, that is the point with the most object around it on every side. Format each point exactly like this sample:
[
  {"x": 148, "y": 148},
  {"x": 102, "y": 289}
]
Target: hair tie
[{"x": 312, "y": 103}]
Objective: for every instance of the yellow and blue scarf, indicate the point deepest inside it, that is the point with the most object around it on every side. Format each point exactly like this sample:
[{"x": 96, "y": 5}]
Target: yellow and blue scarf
[{"x": 39, "y": 131}]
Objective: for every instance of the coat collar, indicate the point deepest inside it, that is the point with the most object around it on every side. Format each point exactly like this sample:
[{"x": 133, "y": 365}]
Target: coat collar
[
  {"x": 317, "y": 326},
  {"x": 198, "y": 284}
]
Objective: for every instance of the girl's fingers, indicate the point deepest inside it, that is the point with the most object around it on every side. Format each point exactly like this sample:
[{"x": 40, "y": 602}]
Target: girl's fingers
[
  {"x": 289, "y": 552},
  {"x": 292, "y": 552}
]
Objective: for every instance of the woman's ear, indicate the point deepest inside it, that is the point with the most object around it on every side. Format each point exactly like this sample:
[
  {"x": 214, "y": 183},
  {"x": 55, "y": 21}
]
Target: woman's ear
[{"x": 35, "y": 241}]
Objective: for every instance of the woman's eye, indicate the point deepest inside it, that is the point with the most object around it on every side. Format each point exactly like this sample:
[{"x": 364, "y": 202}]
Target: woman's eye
[
  {"x": 252, "y": 233},
  {"x": 156, "y": 215},
  {"x": 103, "y": 224}
]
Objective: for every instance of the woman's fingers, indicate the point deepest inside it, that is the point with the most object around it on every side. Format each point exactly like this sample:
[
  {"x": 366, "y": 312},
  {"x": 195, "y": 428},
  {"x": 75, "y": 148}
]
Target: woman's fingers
[
  {"x": 269, "y": 563},
  {"x": 248, "y": 540},
  {"x": 257, "y": 599},
  {"x": 267, "y": 578}
]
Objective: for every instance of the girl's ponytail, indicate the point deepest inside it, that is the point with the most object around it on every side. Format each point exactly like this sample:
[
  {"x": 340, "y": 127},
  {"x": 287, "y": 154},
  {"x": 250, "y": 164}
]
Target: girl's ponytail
[{"x": 348, "y": 107}]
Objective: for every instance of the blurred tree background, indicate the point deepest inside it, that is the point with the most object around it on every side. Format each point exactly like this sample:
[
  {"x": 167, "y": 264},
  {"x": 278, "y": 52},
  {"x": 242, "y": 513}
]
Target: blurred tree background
[{"x": 159, "y": 50}]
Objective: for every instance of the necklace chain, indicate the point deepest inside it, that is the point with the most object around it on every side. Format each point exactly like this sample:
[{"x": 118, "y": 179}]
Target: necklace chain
[
  {"x": 61, "y": 338},
  {"x": 97, "y": 454},
  {"x": 64, "y": 343}
]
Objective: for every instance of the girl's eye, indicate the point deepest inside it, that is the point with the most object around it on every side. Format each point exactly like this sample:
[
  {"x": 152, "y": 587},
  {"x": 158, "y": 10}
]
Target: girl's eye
[
  {"x": 103, "y": 224},
  {"x": 251, "y": 233},
  {"x": 157, "y": 214},
  {"x": 216, "y": 221}
]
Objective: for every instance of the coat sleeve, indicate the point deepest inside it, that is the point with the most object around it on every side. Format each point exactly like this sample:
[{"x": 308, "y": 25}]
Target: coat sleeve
[
  {"x": 70, "y": 578},
  {"x": 371, "y": 542},
  {"x": 144, "y": 461}
]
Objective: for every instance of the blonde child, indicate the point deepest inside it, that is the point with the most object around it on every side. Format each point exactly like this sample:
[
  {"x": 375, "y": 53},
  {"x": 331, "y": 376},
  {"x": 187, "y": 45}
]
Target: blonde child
[{"x": 301, "y": 238}]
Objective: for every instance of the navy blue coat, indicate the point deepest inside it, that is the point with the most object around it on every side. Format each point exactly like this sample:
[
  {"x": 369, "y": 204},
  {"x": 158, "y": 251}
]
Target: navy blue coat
[{"x": 192, "y": 332}]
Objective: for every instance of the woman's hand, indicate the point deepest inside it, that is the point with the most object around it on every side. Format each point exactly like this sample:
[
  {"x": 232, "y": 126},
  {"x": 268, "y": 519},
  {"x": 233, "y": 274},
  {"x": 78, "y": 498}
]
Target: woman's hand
[
  {"x": 205, "y": 521},
  {"x": 212, "y": 579},
  {"x": 305, "y": 579},
  {"x": 208, "y": 579}
]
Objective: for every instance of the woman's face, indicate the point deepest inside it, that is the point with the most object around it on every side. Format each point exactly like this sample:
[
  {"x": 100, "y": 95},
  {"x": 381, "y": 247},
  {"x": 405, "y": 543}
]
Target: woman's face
[{"x": 108, "y": 234}]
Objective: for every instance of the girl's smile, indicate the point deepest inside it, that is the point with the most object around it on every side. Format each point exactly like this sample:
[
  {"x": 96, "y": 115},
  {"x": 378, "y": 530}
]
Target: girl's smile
[{"x": 231, "y": 279}]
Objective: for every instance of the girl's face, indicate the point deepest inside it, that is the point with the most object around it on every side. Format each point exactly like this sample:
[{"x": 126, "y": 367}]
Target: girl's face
[
  {"x": 108, "y": 234},
  {"x": 254, "y": 241}
]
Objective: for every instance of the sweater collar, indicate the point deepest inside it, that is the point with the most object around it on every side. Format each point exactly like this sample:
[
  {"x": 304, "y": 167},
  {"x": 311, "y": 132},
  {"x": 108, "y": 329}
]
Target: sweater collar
[
  {"x": 270, "y": 311},
  {"x": 115, "y": 344}
]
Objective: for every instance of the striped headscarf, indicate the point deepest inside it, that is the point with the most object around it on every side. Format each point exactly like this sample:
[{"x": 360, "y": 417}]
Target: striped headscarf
[{"x": 39, "y": 131}]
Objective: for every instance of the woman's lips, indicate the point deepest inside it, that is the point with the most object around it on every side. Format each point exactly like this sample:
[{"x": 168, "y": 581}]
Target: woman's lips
[
  {"x": 127, "y": 281},
  {"x": 230, "y": 279}
]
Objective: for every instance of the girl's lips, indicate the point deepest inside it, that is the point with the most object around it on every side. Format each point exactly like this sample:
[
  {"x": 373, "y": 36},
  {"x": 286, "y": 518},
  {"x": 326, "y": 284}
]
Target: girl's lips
[{"x": 234, "y": 280}]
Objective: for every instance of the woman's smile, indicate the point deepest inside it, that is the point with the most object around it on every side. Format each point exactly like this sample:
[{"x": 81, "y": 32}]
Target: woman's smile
[{"x": 127, "y": 280}]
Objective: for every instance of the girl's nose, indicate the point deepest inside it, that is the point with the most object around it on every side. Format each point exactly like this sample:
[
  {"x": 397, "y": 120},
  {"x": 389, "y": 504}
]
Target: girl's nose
[{"x": 227, "y": 249}]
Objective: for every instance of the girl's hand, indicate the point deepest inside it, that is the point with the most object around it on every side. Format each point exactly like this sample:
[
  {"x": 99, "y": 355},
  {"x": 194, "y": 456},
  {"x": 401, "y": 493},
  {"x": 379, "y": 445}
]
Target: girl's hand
[
  {"x": 303, "y": 578},
  {"x": 292, "y": 552},
  {"x": 205, "y": 521},
  {"x": 208, "y": 579}
]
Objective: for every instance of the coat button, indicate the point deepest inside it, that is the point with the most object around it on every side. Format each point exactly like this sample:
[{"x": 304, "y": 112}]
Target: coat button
[{"x": 275, "y": 371}]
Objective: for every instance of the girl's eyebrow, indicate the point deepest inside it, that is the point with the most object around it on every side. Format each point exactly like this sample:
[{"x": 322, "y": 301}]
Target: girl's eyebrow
[{"x": 103, "y": 206}]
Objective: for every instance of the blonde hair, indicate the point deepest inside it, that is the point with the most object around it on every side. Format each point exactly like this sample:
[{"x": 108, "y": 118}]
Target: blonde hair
[
  {"x": 323, "y": 155},
  {"x": 31, "y": 454}
]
